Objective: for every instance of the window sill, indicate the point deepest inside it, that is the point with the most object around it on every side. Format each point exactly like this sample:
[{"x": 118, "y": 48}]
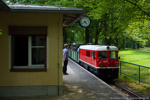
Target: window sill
[{"x": 28, "y": 70}]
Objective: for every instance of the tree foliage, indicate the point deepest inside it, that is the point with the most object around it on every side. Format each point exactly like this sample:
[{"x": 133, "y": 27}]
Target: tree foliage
[
  {"x": 116, "y": 18},
  {"x": 113, "y": 22}
]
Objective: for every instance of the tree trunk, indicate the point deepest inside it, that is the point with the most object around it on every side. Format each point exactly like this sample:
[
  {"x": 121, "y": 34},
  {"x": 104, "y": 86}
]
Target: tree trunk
[
  {"x": 133, "y": 45},
  {"x": 138, "y": 45},
  {"x": 87, "y": 35},
  {"x": 96, "y": 36},
  {"x": 64, "y": 35},
  {"x": 123, "y": 45},
  {"x": 105, "y": 29}
]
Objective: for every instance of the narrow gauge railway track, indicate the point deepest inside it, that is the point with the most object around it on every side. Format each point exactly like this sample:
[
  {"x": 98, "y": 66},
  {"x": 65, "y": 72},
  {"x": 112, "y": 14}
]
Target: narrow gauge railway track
[{"x": 132, "y": 95}]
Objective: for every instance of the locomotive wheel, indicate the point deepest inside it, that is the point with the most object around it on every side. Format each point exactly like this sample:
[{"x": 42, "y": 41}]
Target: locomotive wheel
[
  {"x": 86, "y": 67},
  {"x": 91, "y": 70}
]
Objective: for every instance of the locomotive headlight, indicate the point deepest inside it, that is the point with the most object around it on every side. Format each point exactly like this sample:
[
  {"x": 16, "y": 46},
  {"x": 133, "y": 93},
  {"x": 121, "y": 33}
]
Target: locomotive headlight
[
  {"x": 101, "y": 64},
  {"x": 117, "y": 64}
]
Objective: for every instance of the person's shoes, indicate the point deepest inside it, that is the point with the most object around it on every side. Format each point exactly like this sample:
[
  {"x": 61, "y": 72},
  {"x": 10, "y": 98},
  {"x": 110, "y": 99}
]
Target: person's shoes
[{"x": 65, "y": 74}]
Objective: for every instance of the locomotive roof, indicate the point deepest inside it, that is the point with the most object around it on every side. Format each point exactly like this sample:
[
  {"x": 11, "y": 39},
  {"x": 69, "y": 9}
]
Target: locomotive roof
[{"x": 98, "y": 47}]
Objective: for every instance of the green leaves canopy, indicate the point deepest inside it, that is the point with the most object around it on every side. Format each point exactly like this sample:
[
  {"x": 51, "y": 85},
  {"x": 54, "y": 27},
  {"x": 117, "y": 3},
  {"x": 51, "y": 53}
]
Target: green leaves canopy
[{"x": 113, "y": 21}]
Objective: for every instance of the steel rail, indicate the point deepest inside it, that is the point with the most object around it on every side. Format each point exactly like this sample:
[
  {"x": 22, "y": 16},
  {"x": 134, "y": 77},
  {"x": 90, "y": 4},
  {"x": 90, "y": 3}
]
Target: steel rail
[{"x": 133, "y": 95}]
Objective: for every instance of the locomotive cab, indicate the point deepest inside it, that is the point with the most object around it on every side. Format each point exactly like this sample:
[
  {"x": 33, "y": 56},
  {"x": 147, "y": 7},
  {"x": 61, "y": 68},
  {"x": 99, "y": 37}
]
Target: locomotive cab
[{"x": 108, "y": 59}]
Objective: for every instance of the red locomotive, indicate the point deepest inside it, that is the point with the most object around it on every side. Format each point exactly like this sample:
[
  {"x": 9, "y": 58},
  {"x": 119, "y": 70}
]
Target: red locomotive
[{"x": 102, "y": 60}]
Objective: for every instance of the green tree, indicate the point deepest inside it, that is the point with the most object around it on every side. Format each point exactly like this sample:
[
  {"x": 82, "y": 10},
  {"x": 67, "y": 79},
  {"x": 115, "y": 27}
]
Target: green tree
[
  {"x": 112, "y": 21},
  {"x": 115, "y": 16}
]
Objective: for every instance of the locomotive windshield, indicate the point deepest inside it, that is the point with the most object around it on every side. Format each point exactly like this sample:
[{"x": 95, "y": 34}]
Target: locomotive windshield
[
  {"x": 102, "y": 55},
  {"x": 113, "y": 55}
]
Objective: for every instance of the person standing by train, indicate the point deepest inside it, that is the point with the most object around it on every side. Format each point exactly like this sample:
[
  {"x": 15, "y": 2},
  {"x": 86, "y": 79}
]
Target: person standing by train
[{"x": 65, "y": 59}]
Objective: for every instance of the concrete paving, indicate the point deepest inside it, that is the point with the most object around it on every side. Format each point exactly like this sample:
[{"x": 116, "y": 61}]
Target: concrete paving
[{"x": 84, "y": 86}]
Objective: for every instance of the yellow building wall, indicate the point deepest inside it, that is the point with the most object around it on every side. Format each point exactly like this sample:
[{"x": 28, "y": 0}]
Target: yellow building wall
[{"x": 55, "y": 25}]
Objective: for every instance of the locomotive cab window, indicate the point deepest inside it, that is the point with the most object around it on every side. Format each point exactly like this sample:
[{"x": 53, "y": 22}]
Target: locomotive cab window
[
  {"x": 102, "y": 55},
  {"x": 113, "y": 55},
  {"x": 93, "y": 55},
  {"x": 88, "y": 53}
]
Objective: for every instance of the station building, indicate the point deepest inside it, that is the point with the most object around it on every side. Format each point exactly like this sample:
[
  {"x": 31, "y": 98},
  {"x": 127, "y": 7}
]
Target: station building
[{"x": 31, "y": 40}]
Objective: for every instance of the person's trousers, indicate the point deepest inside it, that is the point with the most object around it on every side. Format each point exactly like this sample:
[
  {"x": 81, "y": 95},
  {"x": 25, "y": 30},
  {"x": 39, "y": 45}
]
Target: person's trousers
[{"x": 65, "y": 66}]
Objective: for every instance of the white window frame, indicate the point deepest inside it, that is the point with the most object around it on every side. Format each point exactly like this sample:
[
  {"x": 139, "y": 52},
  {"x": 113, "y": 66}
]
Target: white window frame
[{"x": 30, "y": 65}]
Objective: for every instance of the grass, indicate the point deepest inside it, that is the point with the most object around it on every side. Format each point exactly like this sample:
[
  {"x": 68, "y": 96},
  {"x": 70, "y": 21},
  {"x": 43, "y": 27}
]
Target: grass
[
  {"x": 140, "y": 58},
  {"x": 141, "y": 88},
  {"x": 136, "y": 57}
]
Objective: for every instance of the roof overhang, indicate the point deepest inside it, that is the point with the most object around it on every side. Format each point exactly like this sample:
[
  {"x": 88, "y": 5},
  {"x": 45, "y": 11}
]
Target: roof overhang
[
  {"x": 70, "y": 15},
  {"x": 3, "y": 6}
]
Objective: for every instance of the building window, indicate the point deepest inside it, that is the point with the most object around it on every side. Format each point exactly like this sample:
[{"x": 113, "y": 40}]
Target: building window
[
  {"x": 28, "y": 52},
  {"x": 37, "y": 50}
]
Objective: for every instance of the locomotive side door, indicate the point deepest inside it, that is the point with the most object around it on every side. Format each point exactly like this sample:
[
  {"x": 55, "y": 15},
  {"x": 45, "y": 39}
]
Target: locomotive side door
[{"x": 94, "y": 58}]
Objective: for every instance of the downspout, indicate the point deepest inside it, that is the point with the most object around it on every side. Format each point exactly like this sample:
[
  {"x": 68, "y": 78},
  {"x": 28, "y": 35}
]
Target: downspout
[
  {"x": 58, "y": 65},
  {"x": 58, "y": 62}
]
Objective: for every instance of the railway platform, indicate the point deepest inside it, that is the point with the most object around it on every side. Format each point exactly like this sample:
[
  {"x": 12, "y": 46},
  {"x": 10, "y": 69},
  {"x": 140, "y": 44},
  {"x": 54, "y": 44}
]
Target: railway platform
[{"x": 82, "y": 85}]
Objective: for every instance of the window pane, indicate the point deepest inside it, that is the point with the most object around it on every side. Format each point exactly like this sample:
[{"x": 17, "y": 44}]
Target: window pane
[
  {"x": 38, "y": 40},
  {"x": 88, "y": 53},
  {"x": 93, "y": 55},
  {"x": 113, "y": 55},
  {"x": 20, "y": 51},
  {"x": 38, "y": 55},
  {"x": 102, "y": 55}
]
